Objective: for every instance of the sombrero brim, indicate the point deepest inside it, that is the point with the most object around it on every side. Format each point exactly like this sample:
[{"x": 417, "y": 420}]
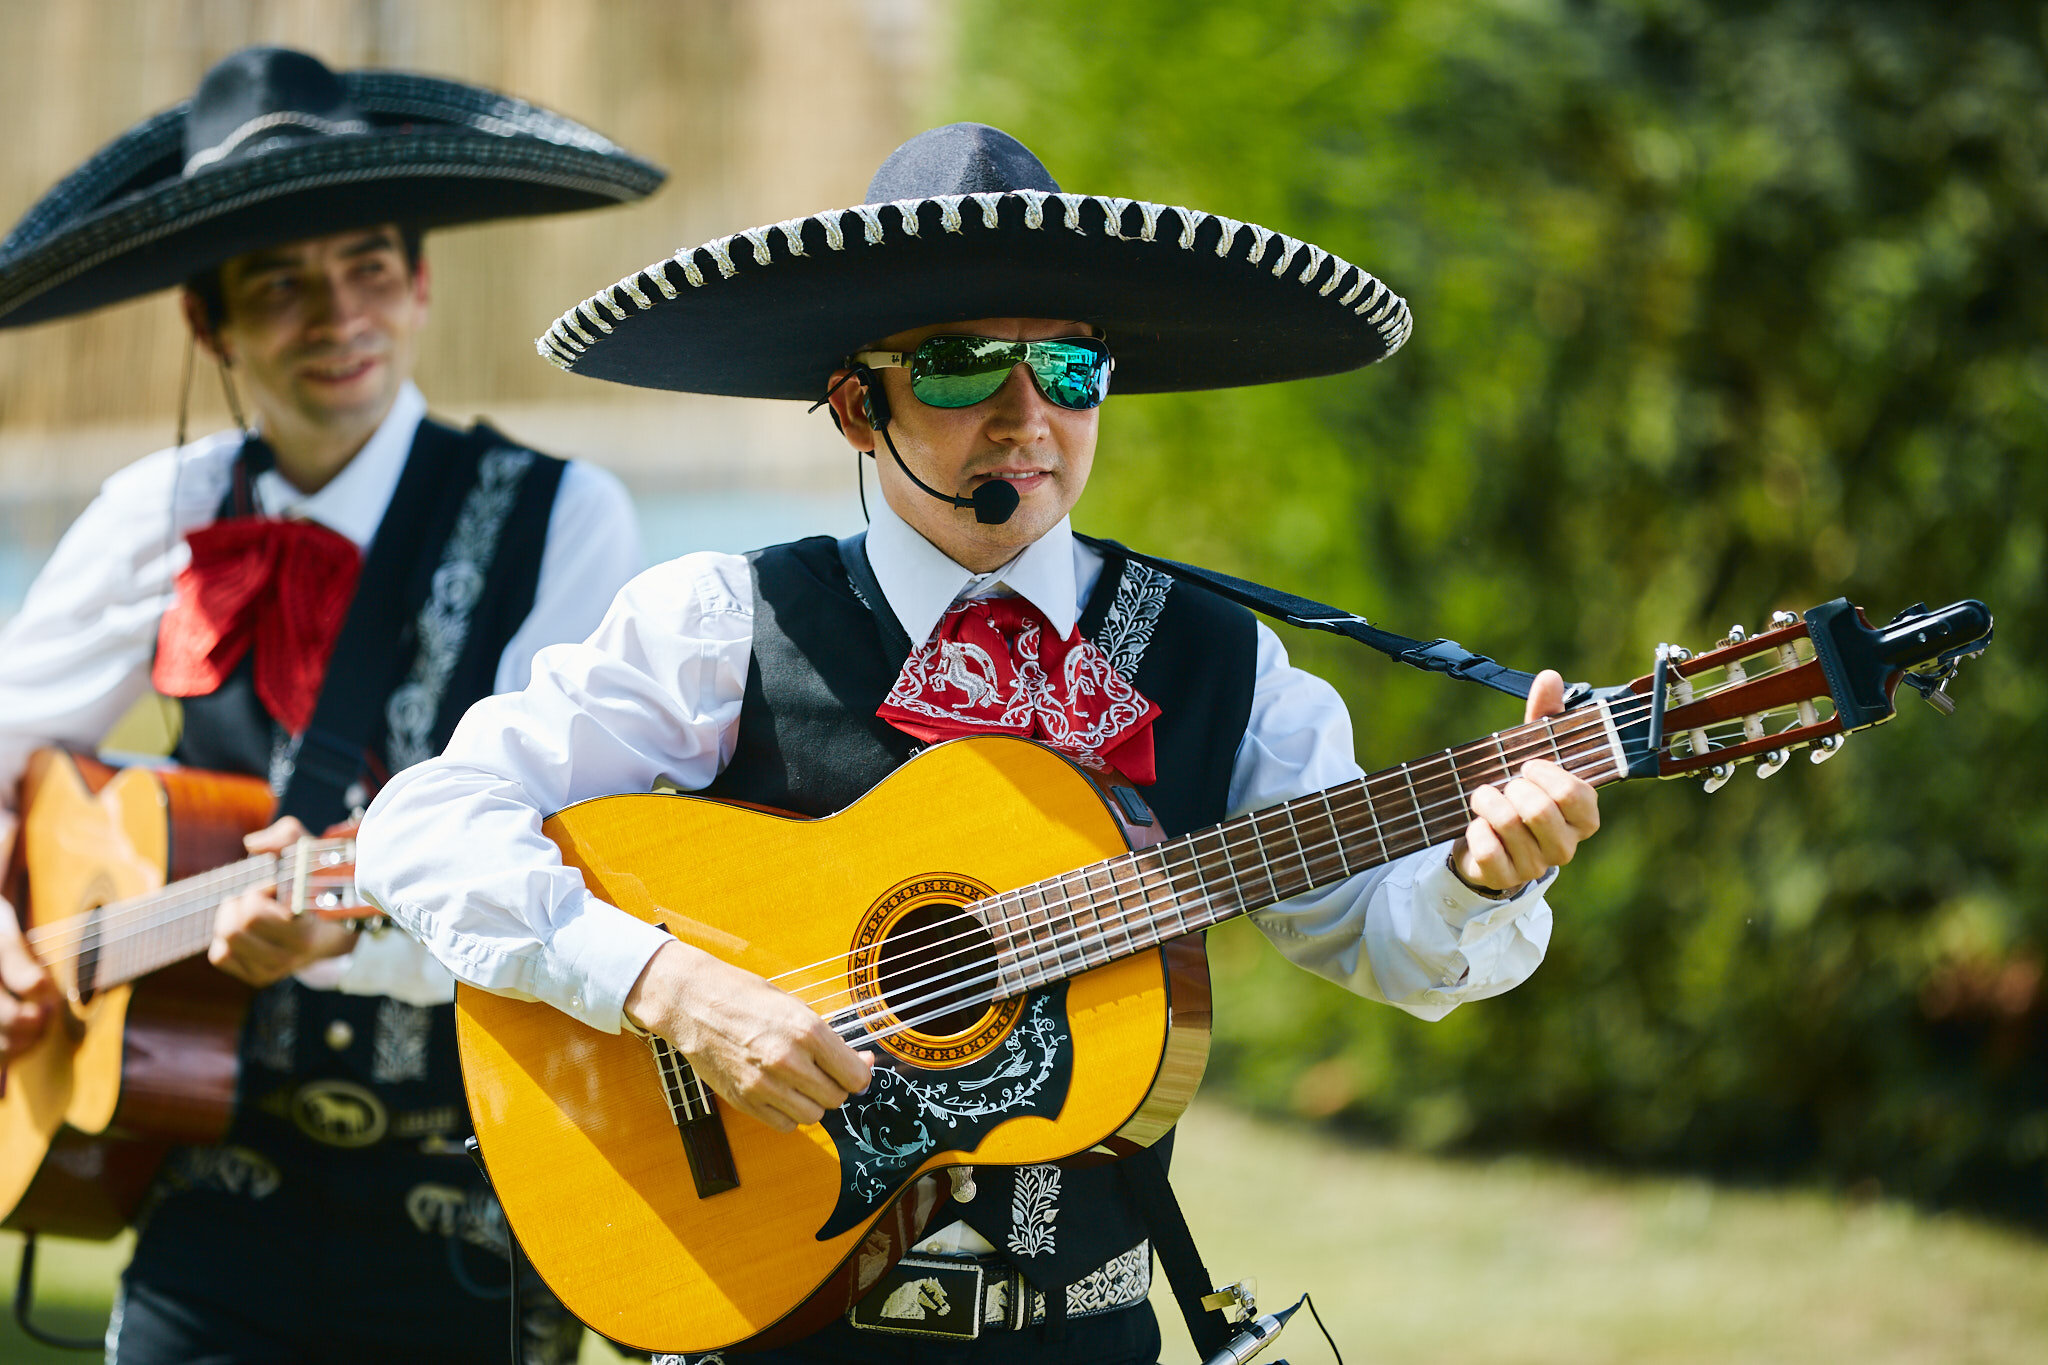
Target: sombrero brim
[
  {"x": 439, "y": 153},
  {"x": 1188, "y": 300}
]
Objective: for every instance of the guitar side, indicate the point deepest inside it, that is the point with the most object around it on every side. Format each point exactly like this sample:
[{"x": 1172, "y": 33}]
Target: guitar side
[
  {"x": 87, "y": 1114},
  {"x": 581, "y": 1145}
]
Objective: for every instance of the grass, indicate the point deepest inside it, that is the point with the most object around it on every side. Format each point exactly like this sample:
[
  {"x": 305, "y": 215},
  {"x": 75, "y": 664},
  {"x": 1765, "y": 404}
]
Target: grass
[{"x": 1510, "y": 1262}]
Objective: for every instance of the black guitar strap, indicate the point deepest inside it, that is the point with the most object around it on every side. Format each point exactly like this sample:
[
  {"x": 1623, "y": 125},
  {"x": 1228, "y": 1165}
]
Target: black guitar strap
[
  {"x": 1432, "y": 656},
  {"x": 1144, "y": 1178}
]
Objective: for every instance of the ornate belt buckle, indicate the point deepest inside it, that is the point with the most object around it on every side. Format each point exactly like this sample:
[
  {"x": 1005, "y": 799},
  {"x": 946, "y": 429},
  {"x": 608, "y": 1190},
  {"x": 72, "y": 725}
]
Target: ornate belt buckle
[{"x": 925, "y": 1297}]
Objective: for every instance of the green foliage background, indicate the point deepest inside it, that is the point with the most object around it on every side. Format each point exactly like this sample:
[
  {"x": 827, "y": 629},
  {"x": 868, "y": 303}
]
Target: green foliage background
[{"x": 1720, "y": 308}]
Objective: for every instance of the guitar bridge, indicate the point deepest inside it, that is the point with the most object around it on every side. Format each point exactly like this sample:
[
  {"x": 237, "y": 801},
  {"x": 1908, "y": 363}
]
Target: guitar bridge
[{"x": 695, "y": 1111}]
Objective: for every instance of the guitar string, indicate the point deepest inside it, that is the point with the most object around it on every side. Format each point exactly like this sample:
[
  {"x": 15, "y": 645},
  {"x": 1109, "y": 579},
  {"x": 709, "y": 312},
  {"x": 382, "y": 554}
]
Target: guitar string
[
  {"x": 1544, "y": 728},
  {"x": 1585, "y": 739},
  {"x": 208, "y": 882},
  {"x": 191, "y": 891},
  {"x": 187, "y": 898},
  {"x": 1580, "y": 740},
  {"x": 120, "y": 923},
  {"x": 1077, "y": 934},
  {"x": 194, "y": 889},
  {"x": 1121, "y": 926},
  {"x": 1589, "y": 737},
  {"x": 865, "y": 1013}
]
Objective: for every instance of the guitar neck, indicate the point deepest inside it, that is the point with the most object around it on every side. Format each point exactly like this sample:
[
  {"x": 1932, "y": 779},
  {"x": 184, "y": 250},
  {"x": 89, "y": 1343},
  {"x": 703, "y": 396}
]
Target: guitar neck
[
  {"x": 119, "y": 942},
  {"x": 1110, "y": 910}
]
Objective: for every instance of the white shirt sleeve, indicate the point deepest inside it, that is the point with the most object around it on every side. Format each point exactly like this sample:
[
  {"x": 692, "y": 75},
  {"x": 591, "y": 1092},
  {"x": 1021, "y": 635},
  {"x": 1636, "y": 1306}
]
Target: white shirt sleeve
[
  {"x": 452, "y": 848},
  {"x": 592, "y": 549},
  {"x": 1409, "y": 932}
]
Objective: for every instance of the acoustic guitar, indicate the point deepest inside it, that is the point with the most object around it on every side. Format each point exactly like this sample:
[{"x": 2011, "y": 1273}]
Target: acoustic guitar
[
  {"x": 142, "y": 1054},
  {"x": 1021, "y": 951}
]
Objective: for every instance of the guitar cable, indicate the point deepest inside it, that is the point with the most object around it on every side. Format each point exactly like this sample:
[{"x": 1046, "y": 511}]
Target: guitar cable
[{"x": 24, "y": 1300}]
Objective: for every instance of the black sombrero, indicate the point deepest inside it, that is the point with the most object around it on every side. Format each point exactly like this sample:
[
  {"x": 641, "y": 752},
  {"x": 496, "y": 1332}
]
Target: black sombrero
[
  {"x": 964, "y": 222},
  {"x": 274, "y": 147}
]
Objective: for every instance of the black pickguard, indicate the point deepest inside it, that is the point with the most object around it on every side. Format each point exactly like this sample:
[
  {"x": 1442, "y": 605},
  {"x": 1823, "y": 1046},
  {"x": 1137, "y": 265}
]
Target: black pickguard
[{"x": 908, "y": 1113}]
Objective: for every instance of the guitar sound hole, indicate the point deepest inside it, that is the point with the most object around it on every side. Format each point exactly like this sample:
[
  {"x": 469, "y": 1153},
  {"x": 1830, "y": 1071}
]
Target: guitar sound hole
[{"x": 938, "y": 970}]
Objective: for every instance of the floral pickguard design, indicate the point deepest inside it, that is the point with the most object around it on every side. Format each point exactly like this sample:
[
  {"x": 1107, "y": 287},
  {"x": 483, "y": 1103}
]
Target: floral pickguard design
[{"x": 909, "y": 1113}]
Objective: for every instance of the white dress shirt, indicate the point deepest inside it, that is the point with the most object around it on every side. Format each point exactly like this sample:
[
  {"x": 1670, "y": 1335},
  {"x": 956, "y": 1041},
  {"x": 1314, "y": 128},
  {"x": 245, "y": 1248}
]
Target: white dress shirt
[
  {"x": 452, "y": 848},
  {"x": 79, "y": 653}
]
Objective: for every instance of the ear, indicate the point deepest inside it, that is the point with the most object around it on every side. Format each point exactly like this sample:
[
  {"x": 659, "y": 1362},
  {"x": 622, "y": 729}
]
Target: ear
[
  {"x": 202, "y": 331},
  {"x": 849, "y": 410},
  {"x": 421, "y": 289}
]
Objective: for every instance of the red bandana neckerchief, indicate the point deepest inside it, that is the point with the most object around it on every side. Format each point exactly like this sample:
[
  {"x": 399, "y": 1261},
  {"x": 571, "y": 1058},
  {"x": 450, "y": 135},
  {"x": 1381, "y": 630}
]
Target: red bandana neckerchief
[
  {"x": 281, "y": 587},
  {"x": 994, "y": 666}
]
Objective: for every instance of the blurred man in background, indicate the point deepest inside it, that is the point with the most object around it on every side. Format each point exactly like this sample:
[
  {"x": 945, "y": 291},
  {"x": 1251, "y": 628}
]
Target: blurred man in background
[{"x": 323, "y": 592}]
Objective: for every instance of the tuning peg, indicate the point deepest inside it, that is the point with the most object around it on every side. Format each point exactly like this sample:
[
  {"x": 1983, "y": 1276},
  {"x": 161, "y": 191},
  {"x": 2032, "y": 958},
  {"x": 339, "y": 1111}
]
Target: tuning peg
[
  {"x": 1772, "y": 761},
  {"x": 1934, "y": 690},
  {"x": 1735, "y": 636},
  {"x": 1781, "y": 619},
  {"x": 1826, "y": 747},
  {"x": 1717, "y": 777}
]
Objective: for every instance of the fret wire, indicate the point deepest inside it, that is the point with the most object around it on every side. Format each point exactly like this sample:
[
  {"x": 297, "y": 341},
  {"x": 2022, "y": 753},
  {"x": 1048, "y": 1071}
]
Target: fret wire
[
  {"x": 1337, "y": 829},
  {"x": 1259, "y": 847},
  {"x": 1308, "y": 873},
  {"x": 1128, "y": 914}
]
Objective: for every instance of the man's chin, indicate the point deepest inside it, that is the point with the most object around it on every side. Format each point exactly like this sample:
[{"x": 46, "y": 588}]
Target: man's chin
[{"x": 355, "y": 401}]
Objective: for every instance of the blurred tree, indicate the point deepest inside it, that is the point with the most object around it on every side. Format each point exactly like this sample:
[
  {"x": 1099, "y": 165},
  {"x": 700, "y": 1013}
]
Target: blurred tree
[{"x": 1720, "y": 308}]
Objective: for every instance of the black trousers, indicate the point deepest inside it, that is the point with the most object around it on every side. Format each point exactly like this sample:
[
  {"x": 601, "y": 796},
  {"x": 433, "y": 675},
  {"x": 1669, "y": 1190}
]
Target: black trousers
[{"x": 1128, "y": 1336}]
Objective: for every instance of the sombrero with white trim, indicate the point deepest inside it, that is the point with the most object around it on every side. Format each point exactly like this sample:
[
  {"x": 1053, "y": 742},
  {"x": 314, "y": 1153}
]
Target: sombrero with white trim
[
  {"x": 964, "y": 222},
  {"x": 273, "y": 148}
]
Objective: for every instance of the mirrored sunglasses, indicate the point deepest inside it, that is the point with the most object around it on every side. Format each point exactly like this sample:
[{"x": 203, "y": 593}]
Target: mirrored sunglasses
[{"x": 960, "y": 371}]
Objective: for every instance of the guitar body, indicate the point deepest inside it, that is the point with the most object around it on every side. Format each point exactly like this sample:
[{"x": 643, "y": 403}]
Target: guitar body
[
  {"x": 585, "y": 1152},
  {"x": 122, "y": 1073}
]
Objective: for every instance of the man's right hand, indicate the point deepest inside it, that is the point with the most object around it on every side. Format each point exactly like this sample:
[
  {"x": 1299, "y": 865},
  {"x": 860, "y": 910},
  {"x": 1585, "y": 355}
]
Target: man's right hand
[
  {"x": 29, "y": 999},
  {"x": 761, "y": 1049}
]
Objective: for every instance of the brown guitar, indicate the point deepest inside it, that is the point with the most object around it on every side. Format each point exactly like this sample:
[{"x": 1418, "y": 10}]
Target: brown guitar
[
  {"x": 1027, "y": 973},
  {"x": 142, "y": 1055}
]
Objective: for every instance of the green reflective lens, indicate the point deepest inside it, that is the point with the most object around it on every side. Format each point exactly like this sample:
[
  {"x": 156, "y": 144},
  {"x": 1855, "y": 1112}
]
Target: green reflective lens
[{"x": 959, "y": 371}]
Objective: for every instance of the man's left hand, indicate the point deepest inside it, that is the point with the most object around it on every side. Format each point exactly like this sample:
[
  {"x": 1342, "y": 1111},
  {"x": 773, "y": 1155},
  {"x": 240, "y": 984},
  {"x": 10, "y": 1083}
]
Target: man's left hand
[
  {"x": 1535, "y": 822},
  {"x": 257, "y": 939}
]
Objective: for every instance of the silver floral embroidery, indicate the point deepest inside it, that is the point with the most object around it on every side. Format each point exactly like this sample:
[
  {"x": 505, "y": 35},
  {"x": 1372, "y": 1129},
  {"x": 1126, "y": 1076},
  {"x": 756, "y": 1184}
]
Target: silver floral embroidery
[
  {"x": 274, "y": 1033},
  {"x": 450, "y": 1211},
  {"x": 229, "y": 1169},
  {"x": 398, "y": 1050},
  {"x": 1033, "y": 1208},
  {"x": 1133, "y": 617},
  {"x": 444, "y": 617}
]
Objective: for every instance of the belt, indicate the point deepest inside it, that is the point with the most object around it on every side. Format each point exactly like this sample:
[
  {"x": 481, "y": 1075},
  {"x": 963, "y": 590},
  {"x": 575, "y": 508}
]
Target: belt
[{"x": 960, "y": 1297}]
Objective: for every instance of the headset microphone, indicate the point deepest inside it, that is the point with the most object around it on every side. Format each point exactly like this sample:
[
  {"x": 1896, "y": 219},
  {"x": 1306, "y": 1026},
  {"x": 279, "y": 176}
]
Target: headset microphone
[{"x": 993, "y": 503}]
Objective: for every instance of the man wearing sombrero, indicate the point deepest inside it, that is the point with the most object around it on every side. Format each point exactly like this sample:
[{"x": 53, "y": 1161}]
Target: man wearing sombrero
[
  {"x": 325, "y": 594},
  {"x": 967, "y": 321}
]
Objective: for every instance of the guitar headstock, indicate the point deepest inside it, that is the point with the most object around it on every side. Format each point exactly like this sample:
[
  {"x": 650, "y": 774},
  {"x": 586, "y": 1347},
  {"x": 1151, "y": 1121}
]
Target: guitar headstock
[{"x": 1801, "y": 682}]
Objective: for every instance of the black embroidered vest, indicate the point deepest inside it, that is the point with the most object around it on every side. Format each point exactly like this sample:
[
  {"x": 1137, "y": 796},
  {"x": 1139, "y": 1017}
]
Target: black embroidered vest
[
  {"x": 446, "y": 582},
  {"x": 809, "y": 742},
  {"x": 342, "y": 1180},
  {"x": 467, "y": 501}
]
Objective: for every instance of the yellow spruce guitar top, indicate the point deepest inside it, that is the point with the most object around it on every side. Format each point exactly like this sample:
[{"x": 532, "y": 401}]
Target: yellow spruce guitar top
[{"x": 1019, "y": 949}]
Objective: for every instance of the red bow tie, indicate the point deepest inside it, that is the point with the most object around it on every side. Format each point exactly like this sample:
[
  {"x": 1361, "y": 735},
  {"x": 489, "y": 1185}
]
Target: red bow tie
[
  {"x": 995, "y": 666},
  {"x": 280, "y": 586}
]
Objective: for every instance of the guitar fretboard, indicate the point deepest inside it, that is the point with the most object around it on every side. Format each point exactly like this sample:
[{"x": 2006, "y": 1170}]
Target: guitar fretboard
[
  {"x": 1113, "y": 909},
  {"x": 119, "y": 942}
]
